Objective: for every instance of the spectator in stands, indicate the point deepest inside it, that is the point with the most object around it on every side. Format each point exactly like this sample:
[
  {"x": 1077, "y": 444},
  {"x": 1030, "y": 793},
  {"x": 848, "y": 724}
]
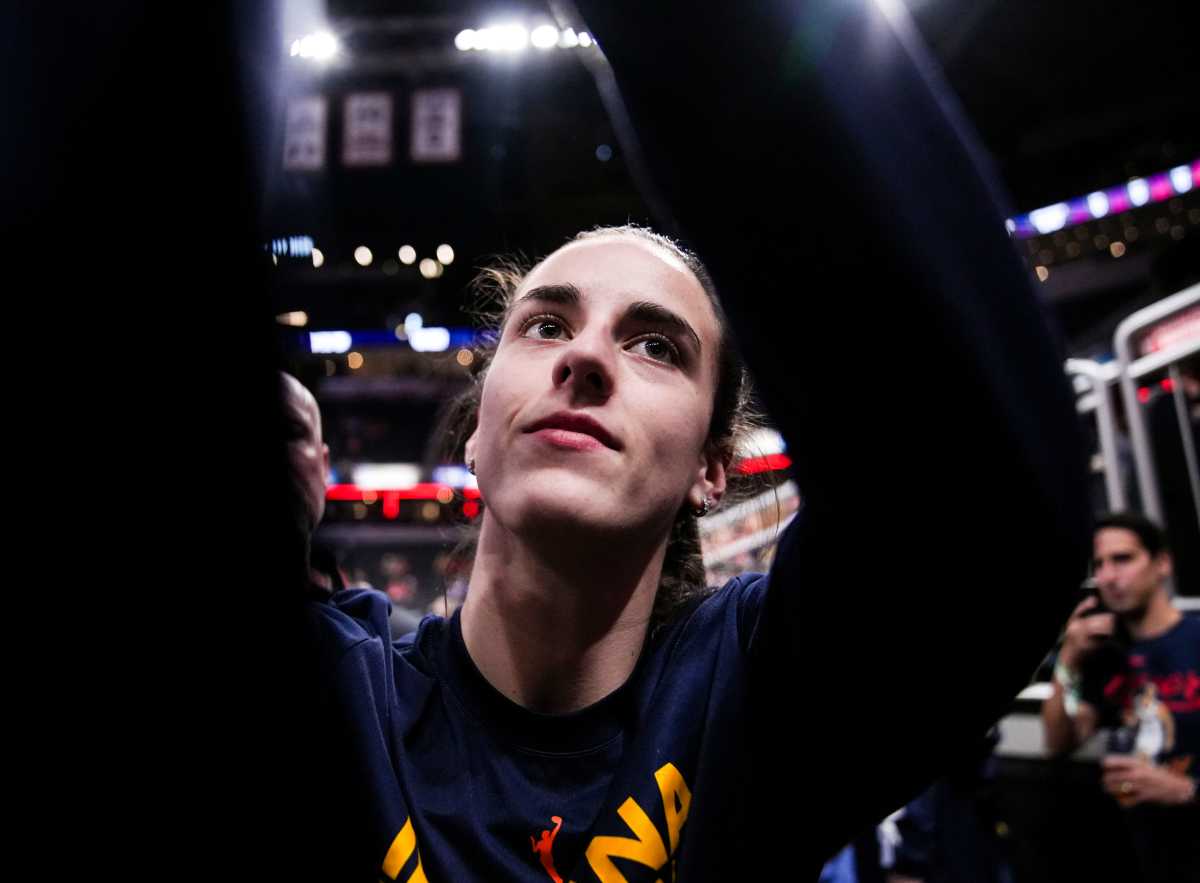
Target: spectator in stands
[
  {"x": 308, "y": 461},
  {"x": 308, "y": 465},
  {"x": 1151, "y": 700}
]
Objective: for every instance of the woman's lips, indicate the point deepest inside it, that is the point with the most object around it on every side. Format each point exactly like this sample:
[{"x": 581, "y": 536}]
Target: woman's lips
[
  {"x": 575, "y": 424},
  {"x": 569, "y": 440}
]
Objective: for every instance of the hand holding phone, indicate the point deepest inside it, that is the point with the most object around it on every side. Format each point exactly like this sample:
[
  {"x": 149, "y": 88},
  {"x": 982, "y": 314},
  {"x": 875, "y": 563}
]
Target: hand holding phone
[{"x": 1090, "y": 625}]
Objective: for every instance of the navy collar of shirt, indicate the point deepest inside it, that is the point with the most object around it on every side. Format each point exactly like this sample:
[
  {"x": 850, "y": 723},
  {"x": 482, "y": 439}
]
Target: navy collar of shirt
[{"x": 577, "y": 732}]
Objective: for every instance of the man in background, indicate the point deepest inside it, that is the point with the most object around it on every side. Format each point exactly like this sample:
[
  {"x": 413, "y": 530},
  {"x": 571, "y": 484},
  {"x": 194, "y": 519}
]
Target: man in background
[{"x": 1149, "y": 697}]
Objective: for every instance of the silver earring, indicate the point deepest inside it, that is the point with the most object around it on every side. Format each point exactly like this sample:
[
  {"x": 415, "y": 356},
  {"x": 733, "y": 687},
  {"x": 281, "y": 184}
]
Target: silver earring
[{"x": 705, "y": 507}]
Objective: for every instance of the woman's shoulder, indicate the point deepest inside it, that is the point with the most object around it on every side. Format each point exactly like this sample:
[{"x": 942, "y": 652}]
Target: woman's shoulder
[
  {"x": 736, "y": 604},
  {"x": 353, "y": 616}
]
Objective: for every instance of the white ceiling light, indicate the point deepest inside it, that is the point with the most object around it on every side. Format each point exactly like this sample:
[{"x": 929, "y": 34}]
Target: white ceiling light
[
  {"x": 1181, "y": 179},
  {"x": 1050, "y": 218},
  {"x": 1139, "y": 191},
  {"x": 544, "y": 37},
  {"x": 502, "y": 38},
  {"x": 320, "y": 46}
]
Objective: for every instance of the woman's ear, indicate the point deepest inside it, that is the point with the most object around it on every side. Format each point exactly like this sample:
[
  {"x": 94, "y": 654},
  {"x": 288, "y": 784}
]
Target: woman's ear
[
  {"x": 711, "y": 477},
  {"x": 469, "y": 448}
]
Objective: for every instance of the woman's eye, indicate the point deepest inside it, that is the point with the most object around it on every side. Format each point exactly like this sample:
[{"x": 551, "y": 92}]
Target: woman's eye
[
  {"x": 544, "y": 329},
  {"x": 657, "y": 348}
]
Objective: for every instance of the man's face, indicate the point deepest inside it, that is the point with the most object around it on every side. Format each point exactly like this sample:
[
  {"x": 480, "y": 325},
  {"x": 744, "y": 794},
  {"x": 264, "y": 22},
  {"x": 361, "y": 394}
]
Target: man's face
[
  {"x": 1125, "y": 574},
  {"x": 619, "y": 333},
  {"x": 308, "y": 455}
]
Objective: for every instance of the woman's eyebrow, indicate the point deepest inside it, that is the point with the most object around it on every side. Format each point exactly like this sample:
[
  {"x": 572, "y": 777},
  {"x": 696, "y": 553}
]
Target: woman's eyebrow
[
  {"x": 647, "y": 312},
  {"x": 564, "y": 294},
  {"x": 656, "y": 314}
]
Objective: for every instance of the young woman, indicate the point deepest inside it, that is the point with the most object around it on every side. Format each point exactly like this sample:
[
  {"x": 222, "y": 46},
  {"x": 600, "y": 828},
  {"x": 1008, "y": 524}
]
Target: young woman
[{"x": 594, "y": 712}]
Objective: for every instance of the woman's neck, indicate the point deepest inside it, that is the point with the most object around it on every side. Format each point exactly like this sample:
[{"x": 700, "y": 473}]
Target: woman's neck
[{"x": 557, "y": 626}]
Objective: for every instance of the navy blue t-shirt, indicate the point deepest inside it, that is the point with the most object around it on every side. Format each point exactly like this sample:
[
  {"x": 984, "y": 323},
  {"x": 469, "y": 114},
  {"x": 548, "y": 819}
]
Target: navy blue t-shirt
[
  {"x": 474, "y": 787},
  {"x": 1155, "y": 698}
]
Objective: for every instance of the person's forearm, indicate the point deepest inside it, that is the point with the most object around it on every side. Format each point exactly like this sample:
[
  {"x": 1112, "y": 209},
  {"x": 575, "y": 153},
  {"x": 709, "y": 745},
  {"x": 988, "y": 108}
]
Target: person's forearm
[
  {"x": 1058, "y": 726},
  {"x": 812, "y": 156},
  {"x": 854, "y": 232}
]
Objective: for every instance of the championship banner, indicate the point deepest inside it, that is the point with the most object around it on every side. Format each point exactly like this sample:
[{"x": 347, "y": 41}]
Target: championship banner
[
  {"x": 367, "y": 137},
  {"x": 304, "y": 135},
  {"x": 436, "y": 125}
]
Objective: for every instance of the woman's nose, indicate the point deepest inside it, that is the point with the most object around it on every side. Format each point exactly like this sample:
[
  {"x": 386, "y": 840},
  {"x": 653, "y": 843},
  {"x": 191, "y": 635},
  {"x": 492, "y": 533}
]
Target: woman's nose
[{"x": 586, "y": 365}]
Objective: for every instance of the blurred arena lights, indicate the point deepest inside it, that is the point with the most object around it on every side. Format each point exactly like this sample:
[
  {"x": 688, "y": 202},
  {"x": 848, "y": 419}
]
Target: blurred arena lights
[
  {"x": 407, "y": 255},
  {"x": 1181, "y": 179},
  {"x": 1050, "y": 218},
  {"x": 1137, "y": 192},
  {"x": 363, "y": 256},
  {"x": 355, "y": 361},
  {"x": 318, "y": 257},
  {"x": 445, "y": 254},
  {"x": 454, "y": 477},
  {"x": 291, "y": 246},
  {"x": 430, "y": 268},
  {"x": 374, "y": 477},
  {"x": 544, "y": 37},
  {"x": 769, "y": 463},
  {"x": 516, "y": 38},
  {"x": 320, "y": 47},
  {"x": 354, "y": 493},
  {"x": 329, "y": 342},
  {"x": 296, "y": 319},
  {"x": 429, "y": 340},
  {"x": 425, "y": 340},
  {"x": 760, "y": 443}
]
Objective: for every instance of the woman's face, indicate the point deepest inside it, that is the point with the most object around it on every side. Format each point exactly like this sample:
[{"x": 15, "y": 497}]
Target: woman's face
[{"x": 596, "y": 407}]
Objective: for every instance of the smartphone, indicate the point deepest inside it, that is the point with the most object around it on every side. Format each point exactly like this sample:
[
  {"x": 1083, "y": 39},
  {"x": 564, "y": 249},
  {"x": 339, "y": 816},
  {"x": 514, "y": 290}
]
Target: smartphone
[{"x": 1089, "y": 590}]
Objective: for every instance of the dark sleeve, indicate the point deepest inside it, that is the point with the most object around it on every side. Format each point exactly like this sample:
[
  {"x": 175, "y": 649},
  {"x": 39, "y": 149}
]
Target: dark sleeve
[
  {"x": 918, "y": 836},
  {"x": 811, "y": 155},
  {"x": 355, "y": 792}
]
